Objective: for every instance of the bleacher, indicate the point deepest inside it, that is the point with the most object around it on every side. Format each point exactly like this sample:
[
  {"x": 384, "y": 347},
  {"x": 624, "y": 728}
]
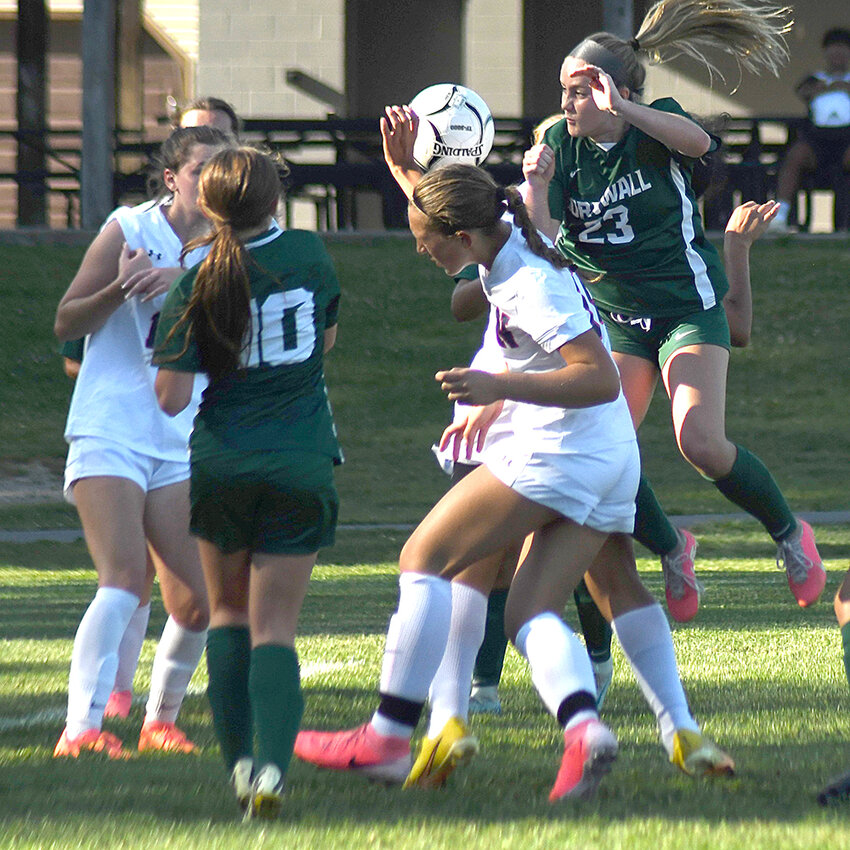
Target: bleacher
[{"x": 333, "y": 161}]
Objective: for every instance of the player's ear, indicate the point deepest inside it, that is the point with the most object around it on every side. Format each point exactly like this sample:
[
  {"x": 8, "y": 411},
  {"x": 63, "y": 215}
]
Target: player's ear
[{"x": 465, "y": 238}]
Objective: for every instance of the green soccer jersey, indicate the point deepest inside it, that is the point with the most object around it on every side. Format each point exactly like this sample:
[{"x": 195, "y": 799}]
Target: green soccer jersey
[
  {"x": 629, "y": 213},
  {"x": 277, "y": 399}
]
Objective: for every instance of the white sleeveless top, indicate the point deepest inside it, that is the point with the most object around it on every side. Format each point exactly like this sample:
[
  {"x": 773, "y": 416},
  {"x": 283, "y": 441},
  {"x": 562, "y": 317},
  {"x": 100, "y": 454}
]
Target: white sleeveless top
[
  {"x": 114, "y": 394},
  {"x": 831, "y": 108}
]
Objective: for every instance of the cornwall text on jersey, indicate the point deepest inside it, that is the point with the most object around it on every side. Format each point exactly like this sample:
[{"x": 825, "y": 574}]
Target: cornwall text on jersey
[{"x": 626, "y": 187}]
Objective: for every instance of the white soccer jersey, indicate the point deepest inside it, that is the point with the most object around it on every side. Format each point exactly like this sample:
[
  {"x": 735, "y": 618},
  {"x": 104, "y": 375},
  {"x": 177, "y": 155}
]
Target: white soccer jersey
[
  {"x": 114, "y": 394},
  {"x": 536, "y": 309}
]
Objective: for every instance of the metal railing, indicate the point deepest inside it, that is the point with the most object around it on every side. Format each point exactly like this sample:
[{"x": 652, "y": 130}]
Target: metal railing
[{"x": 332, "y": 160}]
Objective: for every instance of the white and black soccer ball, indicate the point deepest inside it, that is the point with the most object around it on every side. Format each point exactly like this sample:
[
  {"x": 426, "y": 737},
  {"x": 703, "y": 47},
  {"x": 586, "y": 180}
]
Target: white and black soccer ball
[{"x": 455, "y": 125}]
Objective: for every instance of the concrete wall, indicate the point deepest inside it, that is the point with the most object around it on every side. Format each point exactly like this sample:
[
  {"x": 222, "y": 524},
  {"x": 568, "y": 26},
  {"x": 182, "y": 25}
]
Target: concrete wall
[
  {"x": 511, "y": 50},
  {"x": 245, "y": 48},
  {"x": 493, "y": 53}
]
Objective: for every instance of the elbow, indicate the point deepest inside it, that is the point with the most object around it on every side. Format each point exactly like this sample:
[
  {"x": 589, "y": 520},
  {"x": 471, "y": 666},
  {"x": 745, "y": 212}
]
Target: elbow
[
  {"x": 697, "y": 147},
  {"x": 608, "y": 385},
  {"x": 611, "y": 393},
  {"x": 170, "y": 395},
  {"x": 739, "y": 338},
  {"x": 61, "y": 330},
  {"x": 465, "y": 312},
  {"x": 611, "y": 383},
  {"x": 170, "y": 406}
]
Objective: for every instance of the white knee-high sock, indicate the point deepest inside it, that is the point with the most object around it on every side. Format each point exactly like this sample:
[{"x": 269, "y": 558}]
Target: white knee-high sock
[
  {"x": 131, "y": 648},
  {"x": 644, "y": 635},
  {"x": 94, "y": 658},
  {"x": 559, "y": 663},
  {"x": 416, "y": 642},
  {"x": 449, "y": 693},
  {"x": 176, "y": 658}
]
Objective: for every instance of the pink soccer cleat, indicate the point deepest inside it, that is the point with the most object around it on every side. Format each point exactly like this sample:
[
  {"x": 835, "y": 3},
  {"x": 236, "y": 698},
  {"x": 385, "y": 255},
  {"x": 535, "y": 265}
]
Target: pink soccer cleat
[
  {"x": 798, "y": 555},
  {"x": 362, "y": 750},
  {"x": 590, "y": 749},
  {"x": 119, "y": 704},
  {"x": 680, "y": 582},
  {"x": 92, "y": 740},
  {"x": 165, "y": 737}
]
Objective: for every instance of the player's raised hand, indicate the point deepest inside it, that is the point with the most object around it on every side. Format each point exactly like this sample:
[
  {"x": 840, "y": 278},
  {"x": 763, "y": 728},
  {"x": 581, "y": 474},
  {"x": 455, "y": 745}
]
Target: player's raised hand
[
  {"x": 750, "y": 220},
  {"x": 538, "y": 164},
  {"x": 604, "y": 92},
  {"x": 399, "y": 126}
]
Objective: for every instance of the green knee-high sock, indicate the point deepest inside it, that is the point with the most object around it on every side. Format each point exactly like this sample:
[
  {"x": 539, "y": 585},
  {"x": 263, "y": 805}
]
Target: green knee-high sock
[
  {"x": 750, "y": 486},
  {"x": 276, "y": 702},
  {"x": 653, "y": 528},
  {"x": 597, "y": 631},
  {"x": 845, "y": 640},
  {"x": 228, "y": 661},
  {"x": 491, "y": 656}
]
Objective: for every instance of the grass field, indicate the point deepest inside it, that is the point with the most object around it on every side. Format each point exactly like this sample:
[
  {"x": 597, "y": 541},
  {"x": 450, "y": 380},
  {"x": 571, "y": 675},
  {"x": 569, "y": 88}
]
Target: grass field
[{"x": 764, "y": 677}]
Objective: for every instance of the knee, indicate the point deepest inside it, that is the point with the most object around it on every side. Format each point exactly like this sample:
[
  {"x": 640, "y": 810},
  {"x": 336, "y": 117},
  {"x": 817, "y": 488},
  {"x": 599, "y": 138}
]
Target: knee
[
  {"x": 409, "y": 559},
  {"x": 193, "y": 615},
  {"x": 517, "y": 613},
  {"x": 512, "y": 627},
  {"x": 419, "y": 557},
  {"x": 130, "y": 580},
  {"x": 710, "y": 454}
]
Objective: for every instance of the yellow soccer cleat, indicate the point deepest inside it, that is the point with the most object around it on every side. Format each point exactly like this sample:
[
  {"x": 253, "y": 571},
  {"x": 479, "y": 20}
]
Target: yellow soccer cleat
[
  {"x": 266, "y": 799},
  {"x": 440, "y": 755},
  {"x": 696, "y": 755}
]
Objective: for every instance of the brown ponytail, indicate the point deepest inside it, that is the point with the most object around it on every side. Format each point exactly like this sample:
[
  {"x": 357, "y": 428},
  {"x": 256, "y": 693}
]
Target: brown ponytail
[{"x": 238, "y": 190}]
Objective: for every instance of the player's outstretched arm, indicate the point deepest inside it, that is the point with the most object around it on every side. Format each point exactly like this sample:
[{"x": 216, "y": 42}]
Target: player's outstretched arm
[
  {"x": 745, "y": 225},
  {"x": 398, "y": 133}
]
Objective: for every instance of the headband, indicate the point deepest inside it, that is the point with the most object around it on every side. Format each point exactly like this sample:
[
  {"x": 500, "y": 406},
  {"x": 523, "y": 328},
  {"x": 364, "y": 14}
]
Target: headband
[{"x": 594, "y": 53}]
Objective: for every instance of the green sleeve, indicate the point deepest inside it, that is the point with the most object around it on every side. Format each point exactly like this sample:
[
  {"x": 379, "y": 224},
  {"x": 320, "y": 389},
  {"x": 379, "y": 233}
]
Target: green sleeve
[
  {"x": 73, "y": 349},
  {"x": 333, "y": 292},
  {"x": 557, "y": 137},
  {"x": 169, "y": 348},
  {"x": 469, "y": 272},
  {"x": 669, "y": 104}
]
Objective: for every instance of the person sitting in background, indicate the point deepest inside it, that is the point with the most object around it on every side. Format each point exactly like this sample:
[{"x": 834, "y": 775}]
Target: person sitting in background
[{"x": 824, "y": 140}]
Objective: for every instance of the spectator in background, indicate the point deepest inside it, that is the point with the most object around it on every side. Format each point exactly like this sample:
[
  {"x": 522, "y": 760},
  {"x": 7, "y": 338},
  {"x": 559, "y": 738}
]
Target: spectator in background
[{"x": 824, "y": 141}]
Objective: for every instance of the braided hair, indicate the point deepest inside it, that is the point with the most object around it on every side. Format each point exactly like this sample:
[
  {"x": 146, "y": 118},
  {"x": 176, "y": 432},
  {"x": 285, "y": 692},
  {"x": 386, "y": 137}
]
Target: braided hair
[{"x": 457, "y": 197}]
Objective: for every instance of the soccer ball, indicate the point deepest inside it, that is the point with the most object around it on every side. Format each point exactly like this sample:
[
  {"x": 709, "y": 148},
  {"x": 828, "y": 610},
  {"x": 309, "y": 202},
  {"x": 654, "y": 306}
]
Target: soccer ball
[{"x": 455, "y": 125}]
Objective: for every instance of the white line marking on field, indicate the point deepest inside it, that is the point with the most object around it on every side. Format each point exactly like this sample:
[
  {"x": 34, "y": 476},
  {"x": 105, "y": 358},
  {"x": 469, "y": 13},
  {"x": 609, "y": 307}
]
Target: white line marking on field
[
  {"x": 55, "y": 716},
  {"x": 48, "y": 717}
]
